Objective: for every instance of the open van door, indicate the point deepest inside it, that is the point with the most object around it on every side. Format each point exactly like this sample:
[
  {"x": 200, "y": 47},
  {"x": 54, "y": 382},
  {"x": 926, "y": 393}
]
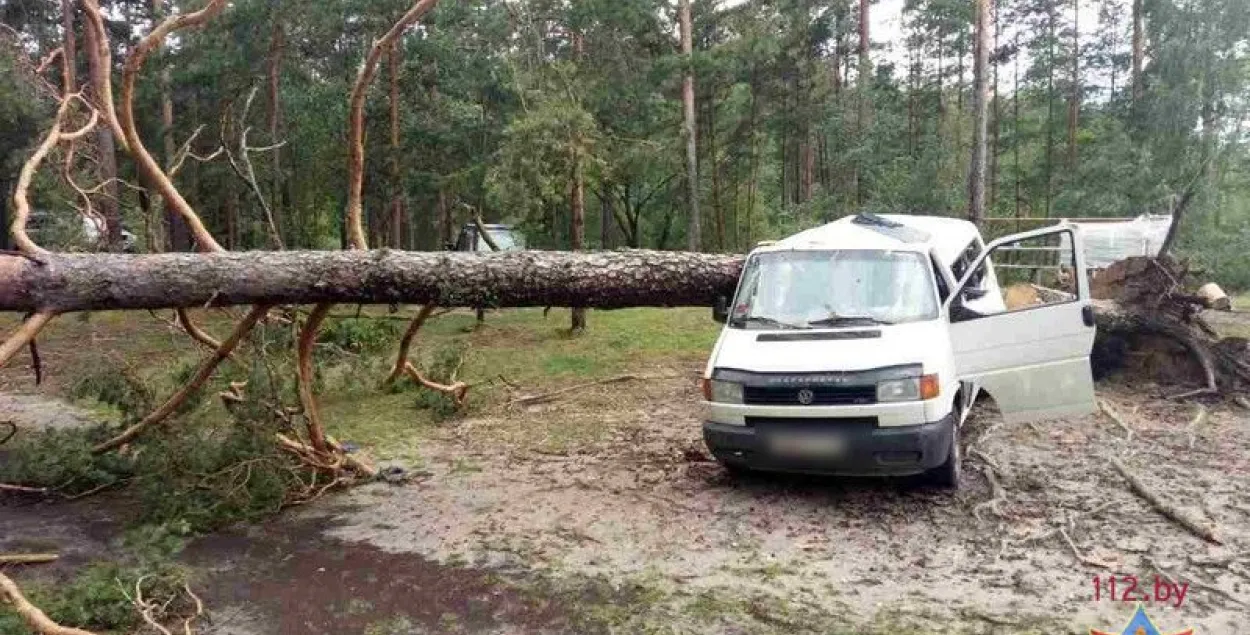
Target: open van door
[{"x": 1032, "y": 357}]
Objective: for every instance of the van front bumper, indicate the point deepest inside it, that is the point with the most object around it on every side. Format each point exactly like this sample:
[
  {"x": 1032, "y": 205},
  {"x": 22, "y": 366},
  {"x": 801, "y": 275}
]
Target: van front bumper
[{"x": 867, "y": 450}]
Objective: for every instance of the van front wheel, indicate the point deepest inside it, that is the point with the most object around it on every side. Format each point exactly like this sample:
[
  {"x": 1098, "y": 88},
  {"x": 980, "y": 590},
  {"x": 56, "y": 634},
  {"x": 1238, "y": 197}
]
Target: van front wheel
[{"x": 946, "y": 475}]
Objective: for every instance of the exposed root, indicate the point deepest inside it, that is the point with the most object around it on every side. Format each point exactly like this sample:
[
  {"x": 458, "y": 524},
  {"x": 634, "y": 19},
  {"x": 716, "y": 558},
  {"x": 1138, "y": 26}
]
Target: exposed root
[
  {"x": 23, "y": 336},
  {"x": 1180, "y": 516},
  {"x": 201, "y": 376},
  {"x": 34, "y": 618},
  {"x": 304, "y": 371}
]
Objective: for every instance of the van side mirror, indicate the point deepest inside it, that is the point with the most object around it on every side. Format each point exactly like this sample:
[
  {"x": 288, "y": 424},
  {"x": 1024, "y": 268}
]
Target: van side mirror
[{"x": 720, "y": 309}]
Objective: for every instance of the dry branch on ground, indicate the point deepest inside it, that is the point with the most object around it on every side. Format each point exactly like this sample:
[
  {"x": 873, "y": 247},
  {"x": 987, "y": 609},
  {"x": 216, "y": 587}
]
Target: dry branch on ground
[{"x": 1171, "y": 511}]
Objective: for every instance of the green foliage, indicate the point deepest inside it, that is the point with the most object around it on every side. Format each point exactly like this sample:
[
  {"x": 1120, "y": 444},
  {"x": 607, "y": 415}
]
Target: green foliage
[
  {"x": 117, "y": 388},
  {"x": 97, "y": 596},
  {"x": 62, "y": 460},
  {"x": 361, "y": 335}
]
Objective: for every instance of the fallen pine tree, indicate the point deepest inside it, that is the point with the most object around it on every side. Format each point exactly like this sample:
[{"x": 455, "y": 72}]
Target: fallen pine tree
[{"x": 1141, "y": 303}]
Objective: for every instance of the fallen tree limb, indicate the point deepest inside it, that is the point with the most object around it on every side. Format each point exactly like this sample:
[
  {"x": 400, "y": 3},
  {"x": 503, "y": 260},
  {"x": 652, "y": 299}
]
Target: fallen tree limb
[
  {"x": 1115, "y": 416},
  {"x": 31, "y": 614},
  {"x": 1182, "y": 517},
  {"x": 202, "y": 374},
  {"x": 530, "y": 400},
  {"x": 27, "y": 558}
]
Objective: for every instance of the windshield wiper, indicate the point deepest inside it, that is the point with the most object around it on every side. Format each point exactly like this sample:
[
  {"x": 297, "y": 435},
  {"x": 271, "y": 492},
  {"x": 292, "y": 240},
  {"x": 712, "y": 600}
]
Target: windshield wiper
[
  {"x": 847, "y": 320},
  {"x": 767, "y": 321}
]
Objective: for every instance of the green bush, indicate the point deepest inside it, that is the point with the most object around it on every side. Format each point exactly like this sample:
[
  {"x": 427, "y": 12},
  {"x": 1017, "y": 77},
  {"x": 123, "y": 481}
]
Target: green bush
[{"x": 360, "y": 335}]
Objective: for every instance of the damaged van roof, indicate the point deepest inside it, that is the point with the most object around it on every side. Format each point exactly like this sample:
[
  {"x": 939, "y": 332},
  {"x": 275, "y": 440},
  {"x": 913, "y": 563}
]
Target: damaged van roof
[{"x": 900, "y": 232}]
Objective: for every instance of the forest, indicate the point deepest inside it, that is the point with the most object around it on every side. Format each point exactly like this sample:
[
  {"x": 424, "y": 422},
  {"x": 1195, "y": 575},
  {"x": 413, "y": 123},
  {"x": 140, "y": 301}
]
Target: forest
[
  {"x": 248, "y": 385},
  {"x": 801, "y": 114}
]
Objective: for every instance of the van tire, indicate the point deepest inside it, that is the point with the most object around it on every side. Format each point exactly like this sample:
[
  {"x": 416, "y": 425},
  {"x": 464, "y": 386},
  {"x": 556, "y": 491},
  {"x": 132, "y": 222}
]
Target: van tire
[{"x": 946, "y": 475}]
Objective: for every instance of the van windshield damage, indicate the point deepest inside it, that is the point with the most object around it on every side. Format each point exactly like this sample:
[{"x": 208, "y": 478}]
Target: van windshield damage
[{"x": 821, "y": 289}]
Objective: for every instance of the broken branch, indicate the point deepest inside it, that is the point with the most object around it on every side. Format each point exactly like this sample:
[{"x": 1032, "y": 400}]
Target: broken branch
[
  {"x": 1182, "y": 517},
  {"x": 34, "y": 617},
  {"x": 201, "y": 376}
]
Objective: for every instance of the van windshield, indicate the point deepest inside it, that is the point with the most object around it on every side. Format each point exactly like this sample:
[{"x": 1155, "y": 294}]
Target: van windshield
[{"x": 821, "y": 289}]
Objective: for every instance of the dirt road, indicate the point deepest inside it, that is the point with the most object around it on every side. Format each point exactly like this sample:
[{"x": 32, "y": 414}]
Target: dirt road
[{"x": 593, "y": 515}]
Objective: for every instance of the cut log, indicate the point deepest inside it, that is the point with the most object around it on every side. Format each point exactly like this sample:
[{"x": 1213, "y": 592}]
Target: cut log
[{"x": 1214, "y": 297}]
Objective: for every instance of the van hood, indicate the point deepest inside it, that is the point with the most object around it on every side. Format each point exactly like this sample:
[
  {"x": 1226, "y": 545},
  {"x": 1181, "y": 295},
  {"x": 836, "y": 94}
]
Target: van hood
[{"x": 858, "y": 348}]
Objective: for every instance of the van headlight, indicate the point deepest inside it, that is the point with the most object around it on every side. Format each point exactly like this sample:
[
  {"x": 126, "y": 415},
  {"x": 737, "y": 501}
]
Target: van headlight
[
  {"x": 719, "y": 391},
  {"x": 908, "y": 389}
]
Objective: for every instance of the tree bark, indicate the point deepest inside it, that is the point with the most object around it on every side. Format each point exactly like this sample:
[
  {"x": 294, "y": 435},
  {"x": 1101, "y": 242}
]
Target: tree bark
[
  {"x": 397, "y": 192},
  {"x": 577, "y": 224},
  {"x": 109, "y": 209},
  {"x": 1139, "y": 50},
  {"x": 277, "y": 46},
  {"x": 694, "y": 240},
  {"x": 980, "y": 111},
  {"x": 613, "y": 279},
  {"x": 1074, "y": 100},
  {"x": 69, "y": 55}
]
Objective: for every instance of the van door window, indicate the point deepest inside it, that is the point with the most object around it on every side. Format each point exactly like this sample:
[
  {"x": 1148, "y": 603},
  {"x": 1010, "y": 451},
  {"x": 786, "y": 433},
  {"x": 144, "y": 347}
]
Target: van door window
[{"x": 1033, "y": 272}]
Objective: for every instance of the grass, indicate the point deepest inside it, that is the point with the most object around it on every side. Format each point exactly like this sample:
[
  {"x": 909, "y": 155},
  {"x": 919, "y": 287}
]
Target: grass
[{"x": 517, "y": 347}]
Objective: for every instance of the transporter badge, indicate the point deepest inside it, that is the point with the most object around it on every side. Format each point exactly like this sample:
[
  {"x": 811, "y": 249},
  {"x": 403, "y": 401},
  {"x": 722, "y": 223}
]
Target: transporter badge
[{"x": 1140, "y": 624}]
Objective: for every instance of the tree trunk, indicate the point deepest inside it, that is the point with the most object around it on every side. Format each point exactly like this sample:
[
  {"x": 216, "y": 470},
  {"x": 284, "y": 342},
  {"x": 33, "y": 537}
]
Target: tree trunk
[
  {"x": 718, "y": 210},
  {"x": 1139, "y": 50},
  {"x": 1074, "y": 99},
  {"x": 996, "y": 115},
  {"x": 397, "y": 192},
  {"x": 577, "y": 225},
  {"x": 109, "y": 209},
  {"x": 69, "y": 81},
  {"x": 5, "y": 196},
  {"x": 444, "y": 219},
  {"x": 694, "y": 240},
  {"x": 1050, "y": 107},
  {"x": 980, "y": 111},
  {"x": 277, "y": 46},
  {"x": 616, "y": 279}
]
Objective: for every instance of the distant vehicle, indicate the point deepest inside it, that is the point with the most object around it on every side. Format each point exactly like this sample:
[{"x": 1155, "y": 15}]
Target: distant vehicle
[
  {"x": 72, "y": 230},
  {"x": 858, "y": 347},
  {"x": 505, "y": 237}
]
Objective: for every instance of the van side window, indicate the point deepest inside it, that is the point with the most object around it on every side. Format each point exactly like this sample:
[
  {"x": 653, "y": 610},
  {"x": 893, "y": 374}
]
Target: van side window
[
  {"x": 943, "y": 290},
  {"x": 965, "y": 260}
]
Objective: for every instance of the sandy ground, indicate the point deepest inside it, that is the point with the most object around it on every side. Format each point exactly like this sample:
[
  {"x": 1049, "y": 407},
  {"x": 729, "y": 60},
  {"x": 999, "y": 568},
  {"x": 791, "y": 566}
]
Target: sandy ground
[
  {"x": 601, "y": 513},
  {"x": 639, "y": 509}
]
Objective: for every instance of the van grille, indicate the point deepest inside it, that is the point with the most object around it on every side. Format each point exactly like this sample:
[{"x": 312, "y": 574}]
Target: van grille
[
  {"x": 793, "y": 423},
  {"x": 821, "y": 395}
]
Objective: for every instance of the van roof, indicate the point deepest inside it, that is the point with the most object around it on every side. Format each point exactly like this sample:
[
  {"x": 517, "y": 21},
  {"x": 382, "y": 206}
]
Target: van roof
[{"x": 946, "y": 236}]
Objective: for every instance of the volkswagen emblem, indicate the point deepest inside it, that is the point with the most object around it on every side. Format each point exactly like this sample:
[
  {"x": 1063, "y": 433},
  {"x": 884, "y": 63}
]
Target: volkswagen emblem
[{"x": 805, "y": 396}]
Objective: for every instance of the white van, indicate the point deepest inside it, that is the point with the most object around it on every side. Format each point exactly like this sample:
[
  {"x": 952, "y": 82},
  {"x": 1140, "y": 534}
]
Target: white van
[{"x": 858, "y": 347}]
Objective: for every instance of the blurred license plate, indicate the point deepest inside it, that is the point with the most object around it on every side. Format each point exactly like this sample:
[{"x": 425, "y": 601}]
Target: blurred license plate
[{"x": 795, "y": 444}]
